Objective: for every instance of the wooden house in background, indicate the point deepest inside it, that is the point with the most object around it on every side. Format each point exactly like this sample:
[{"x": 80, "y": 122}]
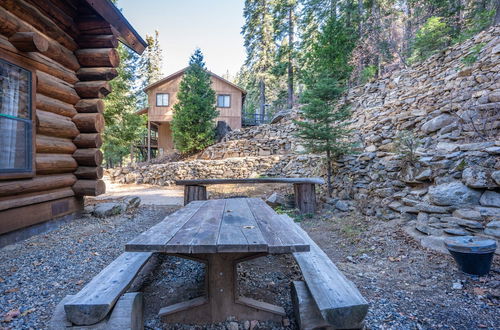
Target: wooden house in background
[
  {"x": 56, "y": 58},
  {"x": 162, "y": 96}
]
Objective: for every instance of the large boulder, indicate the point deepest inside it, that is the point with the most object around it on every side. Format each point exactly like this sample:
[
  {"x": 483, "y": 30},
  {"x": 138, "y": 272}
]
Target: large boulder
[
  {"x": 490, "y": 198},
  {"x": 104, "y": 210},
  {"x": 437, "y": 123},
  {"x": 453, "y": 193}
]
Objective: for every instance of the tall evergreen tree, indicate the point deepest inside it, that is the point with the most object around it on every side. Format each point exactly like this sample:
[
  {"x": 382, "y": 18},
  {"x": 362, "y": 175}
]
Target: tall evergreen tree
[
  {"x": 149, "y": 68},
  {"x": 193, "y": 125},
  {"x": 123, "y": 126},
  {"x": 324, "y": 126},
  {"x": 258, "y": 34}
]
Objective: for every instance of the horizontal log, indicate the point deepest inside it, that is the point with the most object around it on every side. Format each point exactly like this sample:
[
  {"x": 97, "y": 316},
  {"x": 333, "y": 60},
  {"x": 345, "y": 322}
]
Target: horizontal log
[
  {"x": 98, "y": 57},
  {"x": 38, "y": 183},
  {"x": 39, "y": 62},
  {"x": 89, "y": 172},
  {"x": 8, "y": 202},
  {"x": 89, "y": 122},
  {"x": 29, "y": 42},
  {"x": 92, "y": 89},
  {"x": 42, "y": 23},
  {"x": 94, "y": 25},
  {"x": 90, "y": 105},
  {"x": 88, "y": 140},
  {"x": 56, "y": 88},
  {"x": 98, "y": 41},
  {"x": 55, "y": 163},
  {"x": 88, "y": 157},
  {"x": 91, "y": 74},
  {"x": 50, "y": 124},
  {"x": 11, "y": 25},
  {"x": 49, "y": 104},
  {"x": 54, "y": 145},
  {"x": 89, "y": 187},
  {"x": 62, "y": 19}
]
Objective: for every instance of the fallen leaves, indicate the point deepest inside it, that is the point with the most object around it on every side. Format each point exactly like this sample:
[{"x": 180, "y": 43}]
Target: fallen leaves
[
  {"x": 12, "y": 290},
  {"x": 12, "y": 314}
]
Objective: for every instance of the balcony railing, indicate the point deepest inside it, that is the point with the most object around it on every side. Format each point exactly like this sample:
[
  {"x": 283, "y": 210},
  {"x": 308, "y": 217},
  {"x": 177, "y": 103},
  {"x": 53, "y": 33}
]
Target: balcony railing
[{"x": 254, "y": 119}]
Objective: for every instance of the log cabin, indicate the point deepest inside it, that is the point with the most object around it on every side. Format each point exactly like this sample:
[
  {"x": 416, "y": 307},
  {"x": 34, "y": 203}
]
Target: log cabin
[
  {"x": 162, "y": 96},
  {"x": 56, "y": 60}
]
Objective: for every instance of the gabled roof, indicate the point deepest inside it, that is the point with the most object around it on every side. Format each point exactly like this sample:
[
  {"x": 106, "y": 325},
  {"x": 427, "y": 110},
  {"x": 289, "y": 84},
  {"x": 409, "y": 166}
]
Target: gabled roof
[
  {"x": 112, "y": 15},
  {"x": 175, "y": 74}
]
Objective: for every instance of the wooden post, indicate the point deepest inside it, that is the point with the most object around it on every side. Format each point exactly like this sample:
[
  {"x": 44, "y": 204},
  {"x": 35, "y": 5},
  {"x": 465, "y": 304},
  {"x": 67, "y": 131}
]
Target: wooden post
[
  {"x": 305, "y": 197},
  {"x": 194, "y": 193},
  {"x": 149, "y": 140}
]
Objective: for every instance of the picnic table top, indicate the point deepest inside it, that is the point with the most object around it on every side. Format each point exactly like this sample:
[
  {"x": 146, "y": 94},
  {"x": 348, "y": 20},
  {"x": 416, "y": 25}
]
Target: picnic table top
[
  {"x": 250, "y": 180},
  {"x": 221, "y": 225}
]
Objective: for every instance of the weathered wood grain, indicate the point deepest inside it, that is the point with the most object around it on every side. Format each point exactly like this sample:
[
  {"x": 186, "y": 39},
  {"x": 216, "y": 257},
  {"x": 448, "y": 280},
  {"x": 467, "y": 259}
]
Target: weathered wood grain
[
  {"x": 156, "y": 238},
  {"x": 199, "y": 234},
  {"x": 249, "y": 180},
  {"x": 194, "y": 193},
  {"x": 93, "y": 303},
  {"x": 306, "y": 312},
  {"x": 38, "y": 183},
  {"x": 239, "y": 230},
  {"x": 339, "y": 301}
]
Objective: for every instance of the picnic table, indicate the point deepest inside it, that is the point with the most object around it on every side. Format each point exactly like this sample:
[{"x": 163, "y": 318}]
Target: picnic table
[{"x": 221, "y": 233}]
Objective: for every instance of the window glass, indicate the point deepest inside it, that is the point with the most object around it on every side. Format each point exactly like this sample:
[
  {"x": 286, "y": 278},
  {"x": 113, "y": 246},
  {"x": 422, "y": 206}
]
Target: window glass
[
  {"x": 15, "y": 118},
  {"x": 223, "y": 101},
  {"x": 162, "y": 99}
]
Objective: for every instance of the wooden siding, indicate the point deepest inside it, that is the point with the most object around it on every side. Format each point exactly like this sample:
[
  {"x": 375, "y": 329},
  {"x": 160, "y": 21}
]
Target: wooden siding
[
  {"x": 71, "y": 75},
  {"x": 231, "y": 115}
]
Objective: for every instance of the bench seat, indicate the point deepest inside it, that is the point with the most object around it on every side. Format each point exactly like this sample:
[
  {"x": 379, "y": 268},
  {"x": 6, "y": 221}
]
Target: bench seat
[
  {"x": 93, "y": 303},
  {"x": 337, "y": 299}
]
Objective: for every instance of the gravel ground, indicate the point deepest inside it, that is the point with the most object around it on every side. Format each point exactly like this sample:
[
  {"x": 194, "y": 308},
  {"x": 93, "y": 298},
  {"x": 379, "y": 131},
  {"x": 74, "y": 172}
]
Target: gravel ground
[
  {"x": 37, "y": 273},
  {"x": 407, "y": 287}
]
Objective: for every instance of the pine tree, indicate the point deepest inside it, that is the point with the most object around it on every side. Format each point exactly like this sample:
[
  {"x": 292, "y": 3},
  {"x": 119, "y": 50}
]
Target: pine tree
[
  {"x": 123, "y": 126},
  {"x": 324, "y": 126},
  {"x": 258, "y": 37},
  {"x": 193, "y": 125}
]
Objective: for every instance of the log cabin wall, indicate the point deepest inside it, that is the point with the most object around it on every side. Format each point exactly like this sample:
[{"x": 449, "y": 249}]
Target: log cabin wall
[{"x": 70, "y": 50}]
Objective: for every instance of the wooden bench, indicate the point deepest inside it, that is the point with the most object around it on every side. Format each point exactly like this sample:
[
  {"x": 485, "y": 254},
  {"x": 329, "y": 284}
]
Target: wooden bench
[
  {"x": 327, "y": 299},
  {"x": 304, "y": 188},
  {"x": 94, "y": 302}
]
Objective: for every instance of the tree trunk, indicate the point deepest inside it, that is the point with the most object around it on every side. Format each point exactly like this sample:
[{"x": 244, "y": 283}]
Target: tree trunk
[
  {"x": 262, "y": 101},
  {"x": 329, "y": 173},
  {"x": 290, "y": 57}
]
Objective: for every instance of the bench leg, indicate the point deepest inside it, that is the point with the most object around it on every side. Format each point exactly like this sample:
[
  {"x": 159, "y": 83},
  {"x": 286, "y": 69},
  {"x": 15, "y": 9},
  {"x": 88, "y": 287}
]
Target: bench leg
[
  {"x": 305, "y": 197},
  {"x": 222, "y": 300},
  {"x": 194, "y": 193}
]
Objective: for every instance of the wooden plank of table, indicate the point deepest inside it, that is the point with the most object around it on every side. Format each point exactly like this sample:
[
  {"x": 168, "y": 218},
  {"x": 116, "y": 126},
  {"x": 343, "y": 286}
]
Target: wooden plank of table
[
  {"x": 250, "y": 180},
  {"x": 156, "y": 238},
  {"x": 280, "y": 237},
  {"x": 239, "y": 231},
  {"x": 200, "y": 233}
]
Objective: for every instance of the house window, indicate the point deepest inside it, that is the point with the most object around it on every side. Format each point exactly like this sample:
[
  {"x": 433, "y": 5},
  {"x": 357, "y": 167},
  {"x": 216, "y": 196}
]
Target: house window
[
  {"x": 223, "y": 101},
  {"x": 16, "y": 144},
  {"x": 162, "y": 100}
]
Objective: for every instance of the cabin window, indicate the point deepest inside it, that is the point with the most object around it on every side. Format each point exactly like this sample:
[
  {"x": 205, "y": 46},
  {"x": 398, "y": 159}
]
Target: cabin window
[
  {"x": 162, "y": 100},
  {"x": 223, "y": 101},
  {"x": 16, "y": 142}
]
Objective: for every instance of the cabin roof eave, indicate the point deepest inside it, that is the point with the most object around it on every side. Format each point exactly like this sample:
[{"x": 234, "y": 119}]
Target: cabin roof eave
[{"x": 128, "y": 35}]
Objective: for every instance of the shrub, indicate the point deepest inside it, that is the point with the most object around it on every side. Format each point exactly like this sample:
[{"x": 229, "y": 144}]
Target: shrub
[{"x": 433, "y": 36}]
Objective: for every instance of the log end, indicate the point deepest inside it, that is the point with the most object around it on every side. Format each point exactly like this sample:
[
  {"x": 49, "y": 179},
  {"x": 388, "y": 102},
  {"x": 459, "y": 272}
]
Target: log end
[{"x": 89, "y": 187}]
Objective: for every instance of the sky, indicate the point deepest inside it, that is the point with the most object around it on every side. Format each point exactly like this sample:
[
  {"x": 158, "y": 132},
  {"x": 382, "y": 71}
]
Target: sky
[{"x": 212, "y": 25}]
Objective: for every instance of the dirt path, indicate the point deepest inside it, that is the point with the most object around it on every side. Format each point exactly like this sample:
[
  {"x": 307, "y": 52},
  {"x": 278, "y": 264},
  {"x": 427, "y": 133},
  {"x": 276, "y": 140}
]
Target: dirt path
[{"x": 150, "y": 195}]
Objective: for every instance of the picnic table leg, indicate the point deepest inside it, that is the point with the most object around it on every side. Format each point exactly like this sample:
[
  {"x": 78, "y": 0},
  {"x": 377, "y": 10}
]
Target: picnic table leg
[
  {"x": 194, "y": 193},
  {"x": 305, "y": 197},
  {"x": 222, "y": 300}
]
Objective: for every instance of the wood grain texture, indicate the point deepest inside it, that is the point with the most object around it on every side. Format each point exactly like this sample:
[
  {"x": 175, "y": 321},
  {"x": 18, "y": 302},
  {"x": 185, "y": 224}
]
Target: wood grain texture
[
  {"x": 194, "y": 193},
  {"x": 339, "y": 301},
  {"x": 249, "y": 180},
  {"x": 56, "y": 88},
  {"x": 29, "y": 42},
  {"x": 89, "y": 122},
  {"x": 306, "y": 312},
  {"x": 88, "y": 157},
  {"x": 98, "y": 57},
  {"x": 91, "y": 74},
  {"x": 89, "y": 172},
  {"x": 93, "y": 89},
  {"x": 89, "y": 187},
  {"x": 54, "y": 163},
  {"x": 219, "y": 226},
  {"x": 90, "y": 106},
  {"x": 93, "y": 303},
  {"x": 50, "y": 104},
  {"x": 305, "y": 197},
  {"x": 88, "y": 140},
  {"x": 8, "y": 202},
  {"x": 54, "y": 145},
  {"x": 51, "y": 124},
  {"x": 38, "y": 183}
]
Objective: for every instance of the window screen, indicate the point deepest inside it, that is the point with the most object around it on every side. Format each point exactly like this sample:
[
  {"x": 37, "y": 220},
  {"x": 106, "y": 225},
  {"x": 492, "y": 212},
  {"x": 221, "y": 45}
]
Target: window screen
[
  {"x": 15, "y": 119},
  {"x": 223, "y": 101},
  {"x": 161, "y": 100}
]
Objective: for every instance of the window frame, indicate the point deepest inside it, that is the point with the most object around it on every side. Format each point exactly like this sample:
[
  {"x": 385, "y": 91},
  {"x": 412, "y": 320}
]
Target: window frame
[
  {"x": 228, "y": 95},
  {"x": 168, "y": 99},
  {"x": 31, "y": 133}
]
